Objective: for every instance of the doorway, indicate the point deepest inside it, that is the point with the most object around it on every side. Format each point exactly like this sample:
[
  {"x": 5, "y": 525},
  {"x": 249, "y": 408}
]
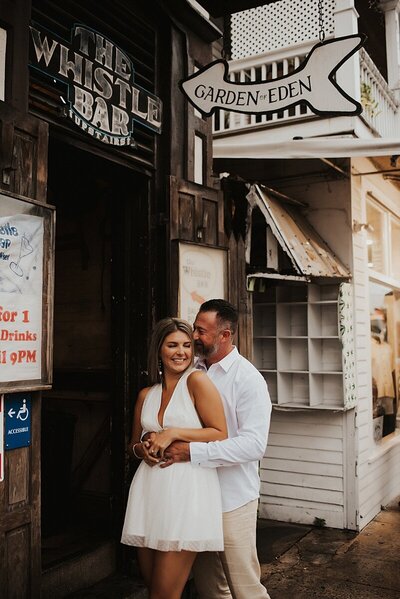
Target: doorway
[{"x": 82, "y": 464}]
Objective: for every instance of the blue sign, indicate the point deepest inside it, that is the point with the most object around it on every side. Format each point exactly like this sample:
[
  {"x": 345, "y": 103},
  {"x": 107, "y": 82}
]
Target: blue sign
[{"x": 18, "y": 420}]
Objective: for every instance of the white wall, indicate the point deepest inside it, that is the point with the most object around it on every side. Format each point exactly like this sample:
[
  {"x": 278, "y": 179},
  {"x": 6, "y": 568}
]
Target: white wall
[
  {"x": 378, "y": 463},
  {"x": 303, "y": 474},
  {"x": 327, "y": 465}
]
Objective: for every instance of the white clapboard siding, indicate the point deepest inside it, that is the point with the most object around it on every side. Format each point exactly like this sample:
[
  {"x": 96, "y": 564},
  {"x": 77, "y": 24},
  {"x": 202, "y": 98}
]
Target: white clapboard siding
[
  {"x": 302, "y": 514},
  {"x": 379, "y": 478},
  {"x": 302, "y": 472},
  {"x": 316, "y": 443},
  {"x": 299, "y": 492},
  {"x": 304, "y": 467},
  {"x": 363, "y": 416},
  {"x": 306, "y": 455},
  {"x": 362, "y": 328},
  {"x": 305, "y": 481},
  {"x": 380, "y": 472},
  {"x": 383, "y": 488}
]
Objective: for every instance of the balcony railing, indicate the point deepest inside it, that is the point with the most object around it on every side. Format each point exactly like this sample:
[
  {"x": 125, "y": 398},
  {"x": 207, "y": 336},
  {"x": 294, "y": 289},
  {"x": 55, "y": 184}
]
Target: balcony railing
[{"x": 381, "y": 110}]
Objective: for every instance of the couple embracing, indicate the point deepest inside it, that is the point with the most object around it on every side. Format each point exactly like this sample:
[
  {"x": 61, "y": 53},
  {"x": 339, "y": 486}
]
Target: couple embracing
[{"x": 200, "y": 432}]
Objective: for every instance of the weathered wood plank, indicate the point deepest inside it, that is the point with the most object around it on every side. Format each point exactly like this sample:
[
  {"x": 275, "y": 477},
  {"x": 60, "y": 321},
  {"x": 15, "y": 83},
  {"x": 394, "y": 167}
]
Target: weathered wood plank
[
  {"x": 303, "y": 442},
  {"x": 17, "y": 464},
  {"x": 18, "y": 563},
  {"x": 304, "y": 429},
  {"x": 303, "y": 514},
  {"x": 269, "y": 464},
  {"x": 317, "y": 482},
  {"x": 307, "y": 455},
  {"x": 302, "y": 493}
]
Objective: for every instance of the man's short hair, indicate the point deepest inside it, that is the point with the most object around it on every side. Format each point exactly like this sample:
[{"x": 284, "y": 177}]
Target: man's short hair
[{"x": 227, "y": 314}]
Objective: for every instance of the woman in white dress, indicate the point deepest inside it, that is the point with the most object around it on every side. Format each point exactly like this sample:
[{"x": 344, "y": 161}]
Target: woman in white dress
[{"x": 172, "y": 513}]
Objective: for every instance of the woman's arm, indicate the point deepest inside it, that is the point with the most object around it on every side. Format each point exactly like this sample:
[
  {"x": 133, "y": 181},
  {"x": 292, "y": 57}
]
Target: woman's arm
[
  {"x": 136, "y": 447},
  {"x": 208, "y": 404}
]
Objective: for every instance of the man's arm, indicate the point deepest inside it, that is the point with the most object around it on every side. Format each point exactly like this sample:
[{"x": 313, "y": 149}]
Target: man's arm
[
  {"x": 253, "y": 412},
  {"x": 178, "y": 451}
]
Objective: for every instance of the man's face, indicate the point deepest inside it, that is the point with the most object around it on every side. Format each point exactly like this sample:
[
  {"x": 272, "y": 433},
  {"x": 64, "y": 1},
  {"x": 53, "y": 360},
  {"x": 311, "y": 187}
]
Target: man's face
[{"x": 206, "y": 334}]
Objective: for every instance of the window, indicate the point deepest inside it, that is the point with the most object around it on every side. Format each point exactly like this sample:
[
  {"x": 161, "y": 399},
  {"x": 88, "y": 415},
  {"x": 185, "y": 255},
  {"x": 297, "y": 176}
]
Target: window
[
  {"x": 385, "y": 353},
  {"x": 198, "y": 159},
  {"x": 383, "y": 241},
  {"x": 395, "y": 247}
]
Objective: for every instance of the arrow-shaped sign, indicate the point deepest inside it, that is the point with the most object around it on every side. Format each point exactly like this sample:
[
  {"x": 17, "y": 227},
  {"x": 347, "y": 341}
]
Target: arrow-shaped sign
[
  {"x": 11, "y": 412},
  {"x": 312, "y": 83}
]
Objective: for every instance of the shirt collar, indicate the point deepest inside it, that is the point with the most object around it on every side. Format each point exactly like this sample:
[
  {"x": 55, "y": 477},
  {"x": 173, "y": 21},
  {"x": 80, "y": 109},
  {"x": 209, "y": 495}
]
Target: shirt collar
[{"x": 225, "y": 363}]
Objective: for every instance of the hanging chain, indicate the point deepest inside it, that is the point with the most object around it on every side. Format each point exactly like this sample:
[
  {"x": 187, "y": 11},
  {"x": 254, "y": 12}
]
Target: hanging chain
[{"x": 321, "y": 33}]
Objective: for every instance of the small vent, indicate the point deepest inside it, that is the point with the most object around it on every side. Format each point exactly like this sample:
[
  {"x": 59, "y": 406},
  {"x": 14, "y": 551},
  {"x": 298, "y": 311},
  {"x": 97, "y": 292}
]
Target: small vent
[{"x": 274, "y": 26}]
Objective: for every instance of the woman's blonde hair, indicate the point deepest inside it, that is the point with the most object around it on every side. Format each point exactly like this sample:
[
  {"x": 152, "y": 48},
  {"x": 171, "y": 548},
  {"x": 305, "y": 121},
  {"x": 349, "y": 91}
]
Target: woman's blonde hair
[{"x": 162, "y": 329}]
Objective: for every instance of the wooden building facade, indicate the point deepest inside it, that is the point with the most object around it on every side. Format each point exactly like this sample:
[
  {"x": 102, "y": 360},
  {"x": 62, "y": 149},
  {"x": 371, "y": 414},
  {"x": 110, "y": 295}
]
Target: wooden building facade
[{"x": 96, "y": 134}]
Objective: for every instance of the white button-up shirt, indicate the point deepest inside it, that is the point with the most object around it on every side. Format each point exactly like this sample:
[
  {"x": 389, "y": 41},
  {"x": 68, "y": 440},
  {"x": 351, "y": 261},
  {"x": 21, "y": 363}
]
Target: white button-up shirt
[{"x": 247, "y": 408}]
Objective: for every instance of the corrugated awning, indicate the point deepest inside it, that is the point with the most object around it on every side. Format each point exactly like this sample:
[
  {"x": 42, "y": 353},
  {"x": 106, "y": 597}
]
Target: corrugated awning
[{"x": 310, "y": 255}]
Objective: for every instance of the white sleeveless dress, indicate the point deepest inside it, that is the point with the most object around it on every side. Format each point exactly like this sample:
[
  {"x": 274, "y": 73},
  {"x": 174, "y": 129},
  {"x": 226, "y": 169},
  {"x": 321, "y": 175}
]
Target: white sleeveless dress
[{"x": 178, "y": 507}]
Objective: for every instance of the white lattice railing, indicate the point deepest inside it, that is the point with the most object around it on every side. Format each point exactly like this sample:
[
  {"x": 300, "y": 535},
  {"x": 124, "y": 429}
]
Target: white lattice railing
[
  {"x": 263, "y": 67},
  {"x": 381, "y": 110},
  {"x": 279, "y": 25}
]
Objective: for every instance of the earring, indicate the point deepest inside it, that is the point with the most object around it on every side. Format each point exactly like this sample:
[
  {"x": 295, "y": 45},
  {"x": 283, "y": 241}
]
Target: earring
[{"x": 160, "y": 368}]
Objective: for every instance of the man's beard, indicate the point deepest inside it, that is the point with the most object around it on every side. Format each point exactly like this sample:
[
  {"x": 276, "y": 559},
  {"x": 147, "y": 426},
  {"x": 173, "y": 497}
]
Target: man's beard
[{"x": 204, "y": 352}]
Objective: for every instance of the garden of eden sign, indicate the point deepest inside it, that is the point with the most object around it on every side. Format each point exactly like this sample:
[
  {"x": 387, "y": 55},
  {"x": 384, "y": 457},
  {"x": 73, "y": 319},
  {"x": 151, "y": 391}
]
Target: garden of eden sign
[{"x": 313, "y": 83}]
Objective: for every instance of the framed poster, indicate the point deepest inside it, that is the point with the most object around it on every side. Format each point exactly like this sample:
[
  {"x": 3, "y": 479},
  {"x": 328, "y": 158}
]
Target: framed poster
[
  {"x": 1, "y": 438},
  {"x": 202, "y": 276},
  {"x": 26, "y": 293}
]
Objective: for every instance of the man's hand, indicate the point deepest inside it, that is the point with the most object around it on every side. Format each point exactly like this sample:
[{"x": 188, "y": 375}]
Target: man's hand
[{"x": 178, "y": 451}]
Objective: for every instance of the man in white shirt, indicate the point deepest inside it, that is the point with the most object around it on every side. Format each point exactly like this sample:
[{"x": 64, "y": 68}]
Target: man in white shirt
[{"x": 235, "y": 572}]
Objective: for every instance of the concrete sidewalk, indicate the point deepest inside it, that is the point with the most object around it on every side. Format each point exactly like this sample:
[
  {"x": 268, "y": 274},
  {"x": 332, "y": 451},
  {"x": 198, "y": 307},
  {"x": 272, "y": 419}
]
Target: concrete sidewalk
[
  {"x": 333, "y": 564},
  {"x": 304, "y": 562}
]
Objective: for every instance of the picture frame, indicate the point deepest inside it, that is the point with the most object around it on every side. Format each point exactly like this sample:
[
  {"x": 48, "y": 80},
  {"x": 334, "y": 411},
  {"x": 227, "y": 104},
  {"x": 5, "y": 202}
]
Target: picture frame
[
  {"x": 203, "y": 273},
  {"x": 27, "y": 230}
]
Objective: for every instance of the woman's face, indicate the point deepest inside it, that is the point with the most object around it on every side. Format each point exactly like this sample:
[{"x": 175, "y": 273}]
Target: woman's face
[{"x": 176, "y": 352}]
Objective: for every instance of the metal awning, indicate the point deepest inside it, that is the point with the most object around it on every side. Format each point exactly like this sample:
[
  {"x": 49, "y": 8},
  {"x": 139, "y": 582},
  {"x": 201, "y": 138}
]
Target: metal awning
[
  {"x": 310, "y": 255},
  {"x": 317, "y": 147}
]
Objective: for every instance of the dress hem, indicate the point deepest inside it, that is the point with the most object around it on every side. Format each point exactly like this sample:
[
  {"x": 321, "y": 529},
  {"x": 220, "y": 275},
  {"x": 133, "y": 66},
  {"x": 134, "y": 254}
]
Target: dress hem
[{"x": 196, "y": 546}]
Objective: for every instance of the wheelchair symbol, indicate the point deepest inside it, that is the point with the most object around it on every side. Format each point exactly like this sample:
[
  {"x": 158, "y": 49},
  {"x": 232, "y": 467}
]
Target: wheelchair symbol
[{"x": 23, "y": 412}]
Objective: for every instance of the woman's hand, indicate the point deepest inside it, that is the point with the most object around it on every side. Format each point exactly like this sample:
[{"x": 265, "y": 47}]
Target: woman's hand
[
  {"x": 160, "y": 442},
  {"x": 142, "y": 453},
  {"x": 148, "y": 457}
]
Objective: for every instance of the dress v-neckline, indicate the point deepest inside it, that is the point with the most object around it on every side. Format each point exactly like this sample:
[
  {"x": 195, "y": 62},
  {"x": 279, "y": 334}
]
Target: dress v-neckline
[{"x": 168, "y": 404}]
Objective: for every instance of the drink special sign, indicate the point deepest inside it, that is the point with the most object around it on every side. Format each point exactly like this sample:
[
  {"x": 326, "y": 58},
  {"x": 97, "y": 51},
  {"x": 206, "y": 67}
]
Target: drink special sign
[
  {"x": 21, "y": 276},
  {"x": 312, "y": 83},
  {"x": 102, "y": 98},
  {"x": 202, "y": 276}
]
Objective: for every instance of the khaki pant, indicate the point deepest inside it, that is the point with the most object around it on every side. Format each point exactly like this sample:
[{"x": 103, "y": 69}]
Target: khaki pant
[{"x": 235, "y": 572}]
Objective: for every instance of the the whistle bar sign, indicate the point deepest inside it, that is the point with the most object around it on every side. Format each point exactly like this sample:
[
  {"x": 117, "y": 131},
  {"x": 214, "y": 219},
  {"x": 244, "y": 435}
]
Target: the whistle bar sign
[{"x": 101, "y": 98}]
